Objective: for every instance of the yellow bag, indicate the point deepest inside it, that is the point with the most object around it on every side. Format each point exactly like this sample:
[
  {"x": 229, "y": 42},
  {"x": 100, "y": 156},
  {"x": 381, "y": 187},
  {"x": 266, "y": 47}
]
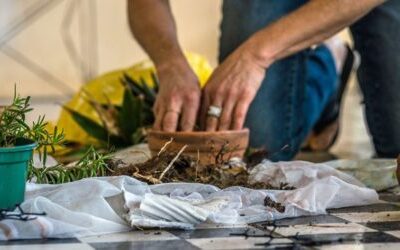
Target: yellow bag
[{"x": 108, "y": 87}]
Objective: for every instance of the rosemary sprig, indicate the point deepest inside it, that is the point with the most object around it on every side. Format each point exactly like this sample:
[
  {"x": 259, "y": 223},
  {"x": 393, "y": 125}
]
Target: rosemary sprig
[
  {"x": 13, "y": 127},
  {"x": 44, "y": 138},
  {"x": 92, "y": 164},
  {"x": 12, "y": 120}
]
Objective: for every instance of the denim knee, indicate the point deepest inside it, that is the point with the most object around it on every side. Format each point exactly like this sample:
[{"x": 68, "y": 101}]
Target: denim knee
[
  {"x": 376, "y": 37},
  {"x": 276, "y": 118}
]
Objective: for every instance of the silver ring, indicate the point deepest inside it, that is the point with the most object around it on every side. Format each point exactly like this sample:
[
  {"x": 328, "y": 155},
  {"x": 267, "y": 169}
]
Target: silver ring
[{"x": 214, "y": 111}]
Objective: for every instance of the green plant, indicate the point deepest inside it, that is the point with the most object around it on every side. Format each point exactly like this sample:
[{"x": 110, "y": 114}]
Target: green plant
[
  {"x": 92, "y": 164},
  {"x": 141, "y": 89},
  {"x": 13, "y": 126},
  {"x": 125, "y": 124}
]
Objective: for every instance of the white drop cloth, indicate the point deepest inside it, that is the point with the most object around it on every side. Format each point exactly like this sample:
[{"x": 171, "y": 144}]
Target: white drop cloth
[{"x": 114, "y": 204}]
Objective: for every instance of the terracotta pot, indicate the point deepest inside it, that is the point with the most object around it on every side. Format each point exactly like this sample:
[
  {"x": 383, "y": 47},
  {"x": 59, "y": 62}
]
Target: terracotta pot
[{"x": 204, "y": 145}]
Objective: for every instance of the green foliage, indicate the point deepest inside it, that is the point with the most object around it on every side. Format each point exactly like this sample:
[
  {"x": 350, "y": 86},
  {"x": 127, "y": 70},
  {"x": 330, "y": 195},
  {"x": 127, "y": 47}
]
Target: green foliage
[
  {"x": 142, "y": 90},
  {"x": 14, "y": 126},
  {"x": 91, "y": 127},
  {"x": 121, "y": 125},
  {"x": 45, "y": 140},
  {"x": 131, "y": 106},
  {"x": 92, "y": 164},
  {"x": 12, "y": 121}
]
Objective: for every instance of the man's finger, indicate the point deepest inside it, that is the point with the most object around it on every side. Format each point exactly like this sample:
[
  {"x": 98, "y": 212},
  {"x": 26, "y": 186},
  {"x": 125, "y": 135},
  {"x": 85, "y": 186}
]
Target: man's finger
[
  {"x": 203, "y": 110},
  {"x": 226, "y": 117},
  {"x": 212, "y": 121},
  {"x": 170, "y": 121},
  {"x": 188, "y": 117},
  {"x": 159, "y": 115},
  {"x": 156, "y": 107},
  {"x": 239, "y": 115},
  {"x": 171, "y": 117}
]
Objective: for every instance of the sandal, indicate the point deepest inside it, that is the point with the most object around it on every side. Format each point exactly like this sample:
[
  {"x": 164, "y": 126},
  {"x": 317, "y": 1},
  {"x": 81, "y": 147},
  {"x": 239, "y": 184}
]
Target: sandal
[{"x": 326, "y": 130}]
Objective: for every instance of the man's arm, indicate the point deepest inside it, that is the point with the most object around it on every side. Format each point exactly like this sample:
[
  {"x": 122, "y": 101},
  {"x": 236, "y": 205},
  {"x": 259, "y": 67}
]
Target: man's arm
[
  {"x": 178, "y": 100},
  {"x": 153, "y": 26},
  {"x": 311, "y": 24},
  {"x": 236, "y": 81}
]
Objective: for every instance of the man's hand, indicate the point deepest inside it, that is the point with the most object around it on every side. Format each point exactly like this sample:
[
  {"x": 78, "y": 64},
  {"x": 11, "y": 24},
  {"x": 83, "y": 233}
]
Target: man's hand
[
  {"x": 178, "y": 99},
  {"x": 232, "y": 87}
]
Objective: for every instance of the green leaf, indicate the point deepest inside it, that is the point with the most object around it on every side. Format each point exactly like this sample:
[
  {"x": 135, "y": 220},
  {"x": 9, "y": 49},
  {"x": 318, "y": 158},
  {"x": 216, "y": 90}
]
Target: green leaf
[
  {"x": 149, "y": 94},
  {"x": 140, "y": 89},
  {"x": 130, "y": 116},
  {"x": 134, "y": 86},
  {"x": 148, "y": 116},
  {"x": 155, "y": 82},
  {"x": 91, "y": 127}
]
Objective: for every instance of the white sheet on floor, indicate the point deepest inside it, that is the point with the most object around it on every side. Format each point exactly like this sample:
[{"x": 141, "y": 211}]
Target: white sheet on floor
[
  {"x": 379, "y": 174},
  {"x": 115, "y": 204}
]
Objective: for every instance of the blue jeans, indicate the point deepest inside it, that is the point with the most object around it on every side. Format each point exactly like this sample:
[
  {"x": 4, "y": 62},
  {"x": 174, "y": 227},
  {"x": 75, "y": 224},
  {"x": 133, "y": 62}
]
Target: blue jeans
[{"x": 296, "y": 89}]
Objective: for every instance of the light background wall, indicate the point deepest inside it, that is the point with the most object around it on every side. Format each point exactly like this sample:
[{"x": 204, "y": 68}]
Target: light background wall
[{"x": 35, "y": 35}]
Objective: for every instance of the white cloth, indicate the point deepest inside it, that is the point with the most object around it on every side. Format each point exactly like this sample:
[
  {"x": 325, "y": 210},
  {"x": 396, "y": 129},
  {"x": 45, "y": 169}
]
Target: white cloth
[
  {"x": 379, "y": 174},
  {"x": 115, "y": 204}
]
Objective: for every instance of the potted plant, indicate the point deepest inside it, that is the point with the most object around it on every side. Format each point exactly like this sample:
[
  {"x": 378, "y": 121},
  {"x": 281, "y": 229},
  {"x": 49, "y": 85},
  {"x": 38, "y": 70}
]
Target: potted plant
[{"x": 17, "y": 142}]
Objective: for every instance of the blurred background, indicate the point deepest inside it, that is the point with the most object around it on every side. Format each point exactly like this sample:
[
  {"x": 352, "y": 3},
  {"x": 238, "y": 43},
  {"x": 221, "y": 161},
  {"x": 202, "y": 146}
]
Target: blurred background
[{"x": 49, "y": 48}]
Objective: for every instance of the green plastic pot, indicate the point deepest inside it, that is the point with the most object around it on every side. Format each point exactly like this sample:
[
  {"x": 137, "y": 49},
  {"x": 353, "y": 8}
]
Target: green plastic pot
[{"x": 13, "y": 173}]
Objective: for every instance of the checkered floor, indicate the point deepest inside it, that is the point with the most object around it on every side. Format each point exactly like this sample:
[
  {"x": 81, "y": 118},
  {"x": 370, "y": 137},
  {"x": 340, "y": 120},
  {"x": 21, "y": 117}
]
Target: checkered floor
[{"x": 374, "y": 226}]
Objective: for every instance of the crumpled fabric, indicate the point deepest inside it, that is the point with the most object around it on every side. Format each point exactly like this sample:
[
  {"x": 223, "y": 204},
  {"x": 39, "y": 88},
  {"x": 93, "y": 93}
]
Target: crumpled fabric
[
  {"x": 378, "y": 174},
  {"x": 115, "y": 204}
]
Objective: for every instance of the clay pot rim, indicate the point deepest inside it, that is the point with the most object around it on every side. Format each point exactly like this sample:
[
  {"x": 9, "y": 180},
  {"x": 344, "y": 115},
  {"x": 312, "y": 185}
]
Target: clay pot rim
[{"x": 198, "y": 133}]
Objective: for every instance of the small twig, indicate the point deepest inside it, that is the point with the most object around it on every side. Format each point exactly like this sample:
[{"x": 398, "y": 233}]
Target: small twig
[
  {"x": 147, "y": 178},
  {"x": 172, "y": 162},
  {"x": 137, "y": 169},
  {"x": 219, "y": 158},
  {"x": 165, "y": 146}
]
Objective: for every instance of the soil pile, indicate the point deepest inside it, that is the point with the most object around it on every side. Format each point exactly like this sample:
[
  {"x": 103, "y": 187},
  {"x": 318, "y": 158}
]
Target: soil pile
[{"x": 170, "y": 166}]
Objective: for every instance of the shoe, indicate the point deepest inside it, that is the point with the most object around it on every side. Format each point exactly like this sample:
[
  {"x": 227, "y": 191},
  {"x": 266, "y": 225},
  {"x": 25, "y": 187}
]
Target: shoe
[{"x": 326, "y": 130}]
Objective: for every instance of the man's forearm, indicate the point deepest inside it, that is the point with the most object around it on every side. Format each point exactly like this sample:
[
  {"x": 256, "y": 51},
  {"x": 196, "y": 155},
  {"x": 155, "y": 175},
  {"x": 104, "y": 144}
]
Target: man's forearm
[
  {"x": 153, "y": 26},
  {"x": 311, "y": 24}
]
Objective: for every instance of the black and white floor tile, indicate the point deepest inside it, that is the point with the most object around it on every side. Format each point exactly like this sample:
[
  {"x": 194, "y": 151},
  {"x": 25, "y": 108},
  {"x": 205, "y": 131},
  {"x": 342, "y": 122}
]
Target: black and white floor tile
[{"x": 369, "y": 227}]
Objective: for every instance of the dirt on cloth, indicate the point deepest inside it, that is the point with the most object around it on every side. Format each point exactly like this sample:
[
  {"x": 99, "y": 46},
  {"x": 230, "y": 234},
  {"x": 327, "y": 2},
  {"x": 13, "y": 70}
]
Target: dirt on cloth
[{"x": 167, "y": 167}]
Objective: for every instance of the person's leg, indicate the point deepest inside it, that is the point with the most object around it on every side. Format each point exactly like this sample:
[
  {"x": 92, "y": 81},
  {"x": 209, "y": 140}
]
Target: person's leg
[
  {"x": 295, "y": 90},
  {"x": 377, "y": 38},
  {"x": 326, "y": 129}
]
